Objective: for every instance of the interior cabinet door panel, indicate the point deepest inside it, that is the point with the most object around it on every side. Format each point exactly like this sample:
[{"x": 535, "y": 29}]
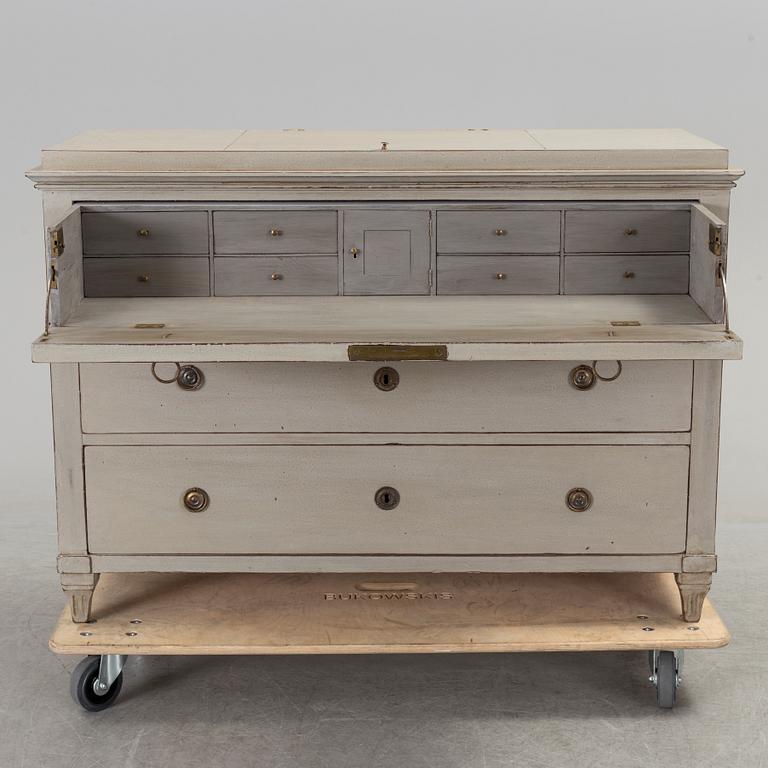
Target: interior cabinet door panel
[{"x": 386, "y": 252}]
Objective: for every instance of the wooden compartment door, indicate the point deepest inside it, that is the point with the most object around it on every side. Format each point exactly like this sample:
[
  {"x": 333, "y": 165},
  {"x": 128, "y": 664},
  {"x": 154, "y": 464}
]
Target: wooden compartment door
[{"x": 386, "y": 252}]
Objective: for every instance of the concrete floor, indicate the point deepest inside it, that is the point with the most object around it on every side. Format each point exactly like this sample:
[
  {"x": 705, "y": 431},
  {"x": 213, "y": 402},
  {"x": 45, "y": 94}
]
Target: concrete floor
[{"x": 536, "y": 711}]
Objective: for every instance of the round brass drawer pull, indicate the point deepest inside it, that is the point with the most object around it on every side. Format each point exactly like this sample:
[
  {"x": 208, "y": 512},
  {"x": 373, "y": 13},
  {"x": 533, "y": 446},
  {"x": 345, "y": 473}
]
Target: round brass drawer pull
[
  {"x": 190, "y": 377},
  {"x": 275, "y": 276},
  {"x": 386, "y": 379},
  {"x": 629, "y": 275},
  {"x": 630, "y": 231},
  {"x": 500, "y": 232},
  {"x": 387, "y": 497},
  {"x": 275, "y": 232},
  {"x": 501, "y": 275},
  {"x": 579, "y": 499},
  {"x": 583, "y": 377},
  {"x": 143, "y": 278},
  {"x": 143, "y": 232},
  {"x": 196, "y": 500}
]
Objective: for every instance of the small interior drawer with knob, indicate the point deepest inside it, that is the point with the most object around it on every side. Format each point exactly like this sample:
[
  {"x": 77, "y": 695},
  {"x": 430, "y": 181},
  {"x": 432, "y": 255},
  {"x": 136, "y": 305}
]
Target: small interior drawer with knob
[
  {"x": 129, "y": 233},
  {"x": 272, "y": 499},
  {"x": 276, "y": 276},
  {"x": 489, "y": 232},
  {"x": 626, "y": 230},
  {"x": 275, "y": 231},
  {"x": 131, "y": 276},
  {"x": 631, "y": 273},
  {"x": 484, "y": 275}
]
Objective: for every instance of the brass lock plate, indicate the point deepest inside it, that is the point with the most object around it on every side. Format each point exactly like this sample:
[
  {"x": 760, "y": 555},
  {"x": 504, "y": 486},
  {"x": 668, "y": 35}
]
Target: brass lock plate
[{"x": 382, "y": 352}]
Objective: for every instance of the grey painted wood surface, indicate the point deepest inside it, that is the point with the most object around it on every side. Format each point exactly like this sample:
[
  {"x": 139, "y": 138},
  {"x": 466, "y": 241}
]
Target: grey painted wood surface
[
  {"x": 487, "y": 275},
  {"x": 276, "y": 276},
  {"x": 706, "y": 287},
  {"x": 128, "y": 233},
  {"x": 472, "y": 500},
  {"x": 610, "y": 231},
  {"x": 635, "y": 273},
  {"x": 431, "y": 397},
  {"x": 499, "y": 231},
  {"x": 140, "y": 276},
  {"x": 276, "y": 231},
  {"x": 68, "y": 294},
  {"x": 386, "y": 252}
]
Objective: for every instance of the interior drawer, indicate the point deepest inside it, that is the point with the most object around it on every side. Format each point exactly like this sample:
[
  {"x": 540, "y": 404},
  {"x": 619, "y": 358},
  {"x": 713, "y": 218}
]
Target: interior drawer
[
  {"x": 123, "y": 276},
  {"x": 625, "y": 230},
  {"x": 323, "y": 499},
  {"x": 498, "y": 274},
  {"x": 636, "y": 273},
  {"x": 487, "y": 232},
  {"x": 144, "y": 232},
  {"x": 245, "y": 232},
  {"x": 429, "y": 397},
  {"x": 284, "y": 276}
]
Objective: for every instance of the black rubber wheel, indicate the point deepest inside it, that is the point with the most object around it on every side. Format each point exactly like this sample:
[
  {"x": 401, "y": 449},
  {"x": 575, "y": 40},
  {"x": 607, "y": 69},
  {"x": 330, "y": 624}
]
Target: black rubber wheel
[
  {"x": 81, "y": 686},
  {"x": 666, "y": 680}
]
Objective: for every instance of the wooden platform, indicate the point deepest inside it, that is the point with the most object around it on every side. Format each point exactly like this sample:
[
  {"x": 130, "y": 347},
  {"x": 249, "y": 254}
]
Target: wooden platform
[{"x": 220, "y": 614}]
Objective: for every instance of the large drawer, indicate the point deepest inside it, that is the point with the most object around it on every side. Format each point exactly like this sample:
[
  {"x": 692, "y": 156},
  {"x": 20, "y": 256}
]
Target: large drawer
[
  {"x": 498, "y": 232},
  {"x": 144, "y": 232},
  {"x": 244, "y": 232},
  {"x": 430, "y": 397},
  {"x": 452, "y": 499}
]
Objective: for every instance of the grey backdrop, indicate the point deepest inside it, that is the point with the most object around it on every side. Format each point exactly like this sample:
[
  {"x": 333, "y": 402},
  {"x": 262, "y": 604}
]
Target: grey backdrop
[{"x": 83, "y": 64}]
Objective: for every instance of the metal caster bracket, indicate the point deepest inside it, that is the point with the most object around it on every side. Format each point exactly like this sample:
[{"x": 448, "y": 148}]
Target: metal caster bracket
[{"x": 110, "y": 667}]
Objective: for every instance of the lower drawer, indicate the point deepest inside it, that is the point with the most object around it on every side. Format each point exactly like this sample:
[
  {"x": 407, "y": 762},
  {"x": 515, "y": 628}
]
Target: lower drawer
[
  {"x": 487, "y": 275},
  {"x": 128, "y": 276},
  {"x": 276, "y": 276},
  {"x": 322, "y": 500},
  {"x": 634, "y": 273}
]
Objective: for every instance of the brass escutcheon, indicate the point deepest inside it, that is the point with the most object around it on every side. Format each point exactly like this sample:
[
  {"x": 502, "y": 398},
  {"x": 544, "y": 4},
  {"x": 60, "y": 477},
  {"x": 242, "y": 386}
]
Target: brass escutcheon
[
  {"x": 387, "y": 497},
  {"x": 583, "y": 377},
  {"x": 196, "y": 500},
  {"x": 386, "y": 378},
  {"x": 190, "y": 377},
  {"x": 579, "y": 499}
]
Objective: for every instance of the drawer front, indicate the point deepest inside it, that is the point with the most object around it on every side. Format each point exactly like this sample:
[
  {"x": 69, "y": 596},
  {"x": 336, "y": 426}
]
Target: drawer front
[
  {"x": 626, "y": 230},
  {"x": 638, "y": 273},
  {"x": 286, "y": 276},
  {"x": 145, "y": 276},
  {"x": 430, "y": 397},
  {"x": 485, "y": 232},
  {"x": 452, "y": 499},
  {"x": 498, "y": 274},
  {"x": 275, "y": 232},
  {"x": 145, "y": 232}
]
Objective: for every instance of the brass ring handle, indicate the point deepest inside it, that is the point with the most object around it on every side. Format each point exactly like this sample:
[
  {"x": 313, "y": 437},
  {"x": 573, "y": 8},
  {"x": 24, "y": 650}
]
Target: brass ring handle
[
  {"x": 500, "y": 232},
  {"x": 630, "y": 231},
  {"x": 143, "y": 232},
  {"x": 578, "y": 499},
  {"x": 275, "y": 232},
  {"x": 196, "y": 500},
  {"x": 501, "y": 275},
  {"x": 143, "y": 278},
  {"x": 607, "y": 378},
  {"x": 167, "y": 381}
]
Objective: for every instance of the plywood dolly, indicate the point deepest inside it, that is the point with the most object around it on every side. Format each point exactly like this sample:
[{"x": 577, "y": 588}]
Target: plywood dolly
[{"x": 282, "y": 614}]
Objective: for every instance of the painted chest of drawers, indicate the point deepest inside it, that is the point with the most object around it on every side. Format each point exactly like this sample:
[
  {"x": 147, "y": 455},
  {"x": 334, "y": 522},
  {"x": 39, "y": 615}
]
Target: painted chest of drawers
[{"x": 295, "y": 351}]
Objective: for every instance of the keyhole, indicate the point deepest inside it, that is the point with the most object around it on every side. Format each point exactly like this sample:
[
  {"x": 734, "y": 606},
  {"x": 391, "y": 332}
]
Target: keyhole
[
  {"x": 387, "y": 497},
  {"x": 386, "y": 379}
]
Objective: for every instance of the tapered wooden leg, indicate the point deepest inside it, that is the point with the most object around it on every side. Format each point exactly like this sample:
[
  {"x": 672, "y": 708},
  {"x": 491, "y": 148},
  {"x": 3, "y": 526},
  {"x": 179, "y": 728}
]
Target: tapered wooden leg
[
  {"x": 693, "y": 589},
  {"x": 79, "y": 589}
]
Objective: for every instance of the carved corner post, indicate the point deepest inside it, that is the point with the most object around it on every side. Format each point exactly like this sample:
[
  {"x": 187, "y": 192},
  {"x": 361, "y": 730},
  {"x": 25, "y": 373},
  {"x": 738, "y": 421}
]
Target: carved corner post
[{"x": 693, "y": 589}]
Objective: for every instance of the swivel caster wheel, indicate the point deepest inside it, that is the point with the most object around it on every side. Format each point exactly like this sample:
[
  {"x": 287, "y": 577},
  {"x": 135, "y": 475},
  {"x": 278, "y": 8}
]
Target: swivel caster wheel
[
  {"x": 665, "y": 675},
  {"x": 96, "y": 682}
]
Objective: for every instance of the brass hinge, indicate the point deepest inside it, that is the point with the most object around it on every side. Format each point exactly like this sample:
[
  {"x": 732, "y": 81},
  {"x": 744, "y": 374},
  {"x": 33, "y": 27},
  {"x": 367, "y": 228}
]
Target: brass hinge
[
  {"x": 430, "y": 226},
  {"x": 430, "y": 277},
  {"x": 716, "y": 239},
  {"x": 57, "y": 242}
]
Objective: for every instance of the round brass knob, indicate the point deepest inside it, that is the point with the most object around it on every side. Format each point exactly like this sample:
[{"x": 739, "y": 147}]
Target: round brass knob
[
  {"x": 387, "y": 497},
  {"x": 630, "y": 231},
  {"x": 629, "y": 275},
  {"x": 583, "y": 377},
  {"x": 196, "y": 500},
  {"x": 275, "y": 232},
  {"x": 501, "y": 275},
  {"x": 500, "y": 232},
  {"x": 354, "y": 252},
  {"x": 386, "y": 379},
  {"x": 579, "y": 499},
  {"x": 143, "y": 232},
  {"x": 275, "y": 276},
  {"x": 143, "y": 278},
  {"x": 190, "y": 377}
]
